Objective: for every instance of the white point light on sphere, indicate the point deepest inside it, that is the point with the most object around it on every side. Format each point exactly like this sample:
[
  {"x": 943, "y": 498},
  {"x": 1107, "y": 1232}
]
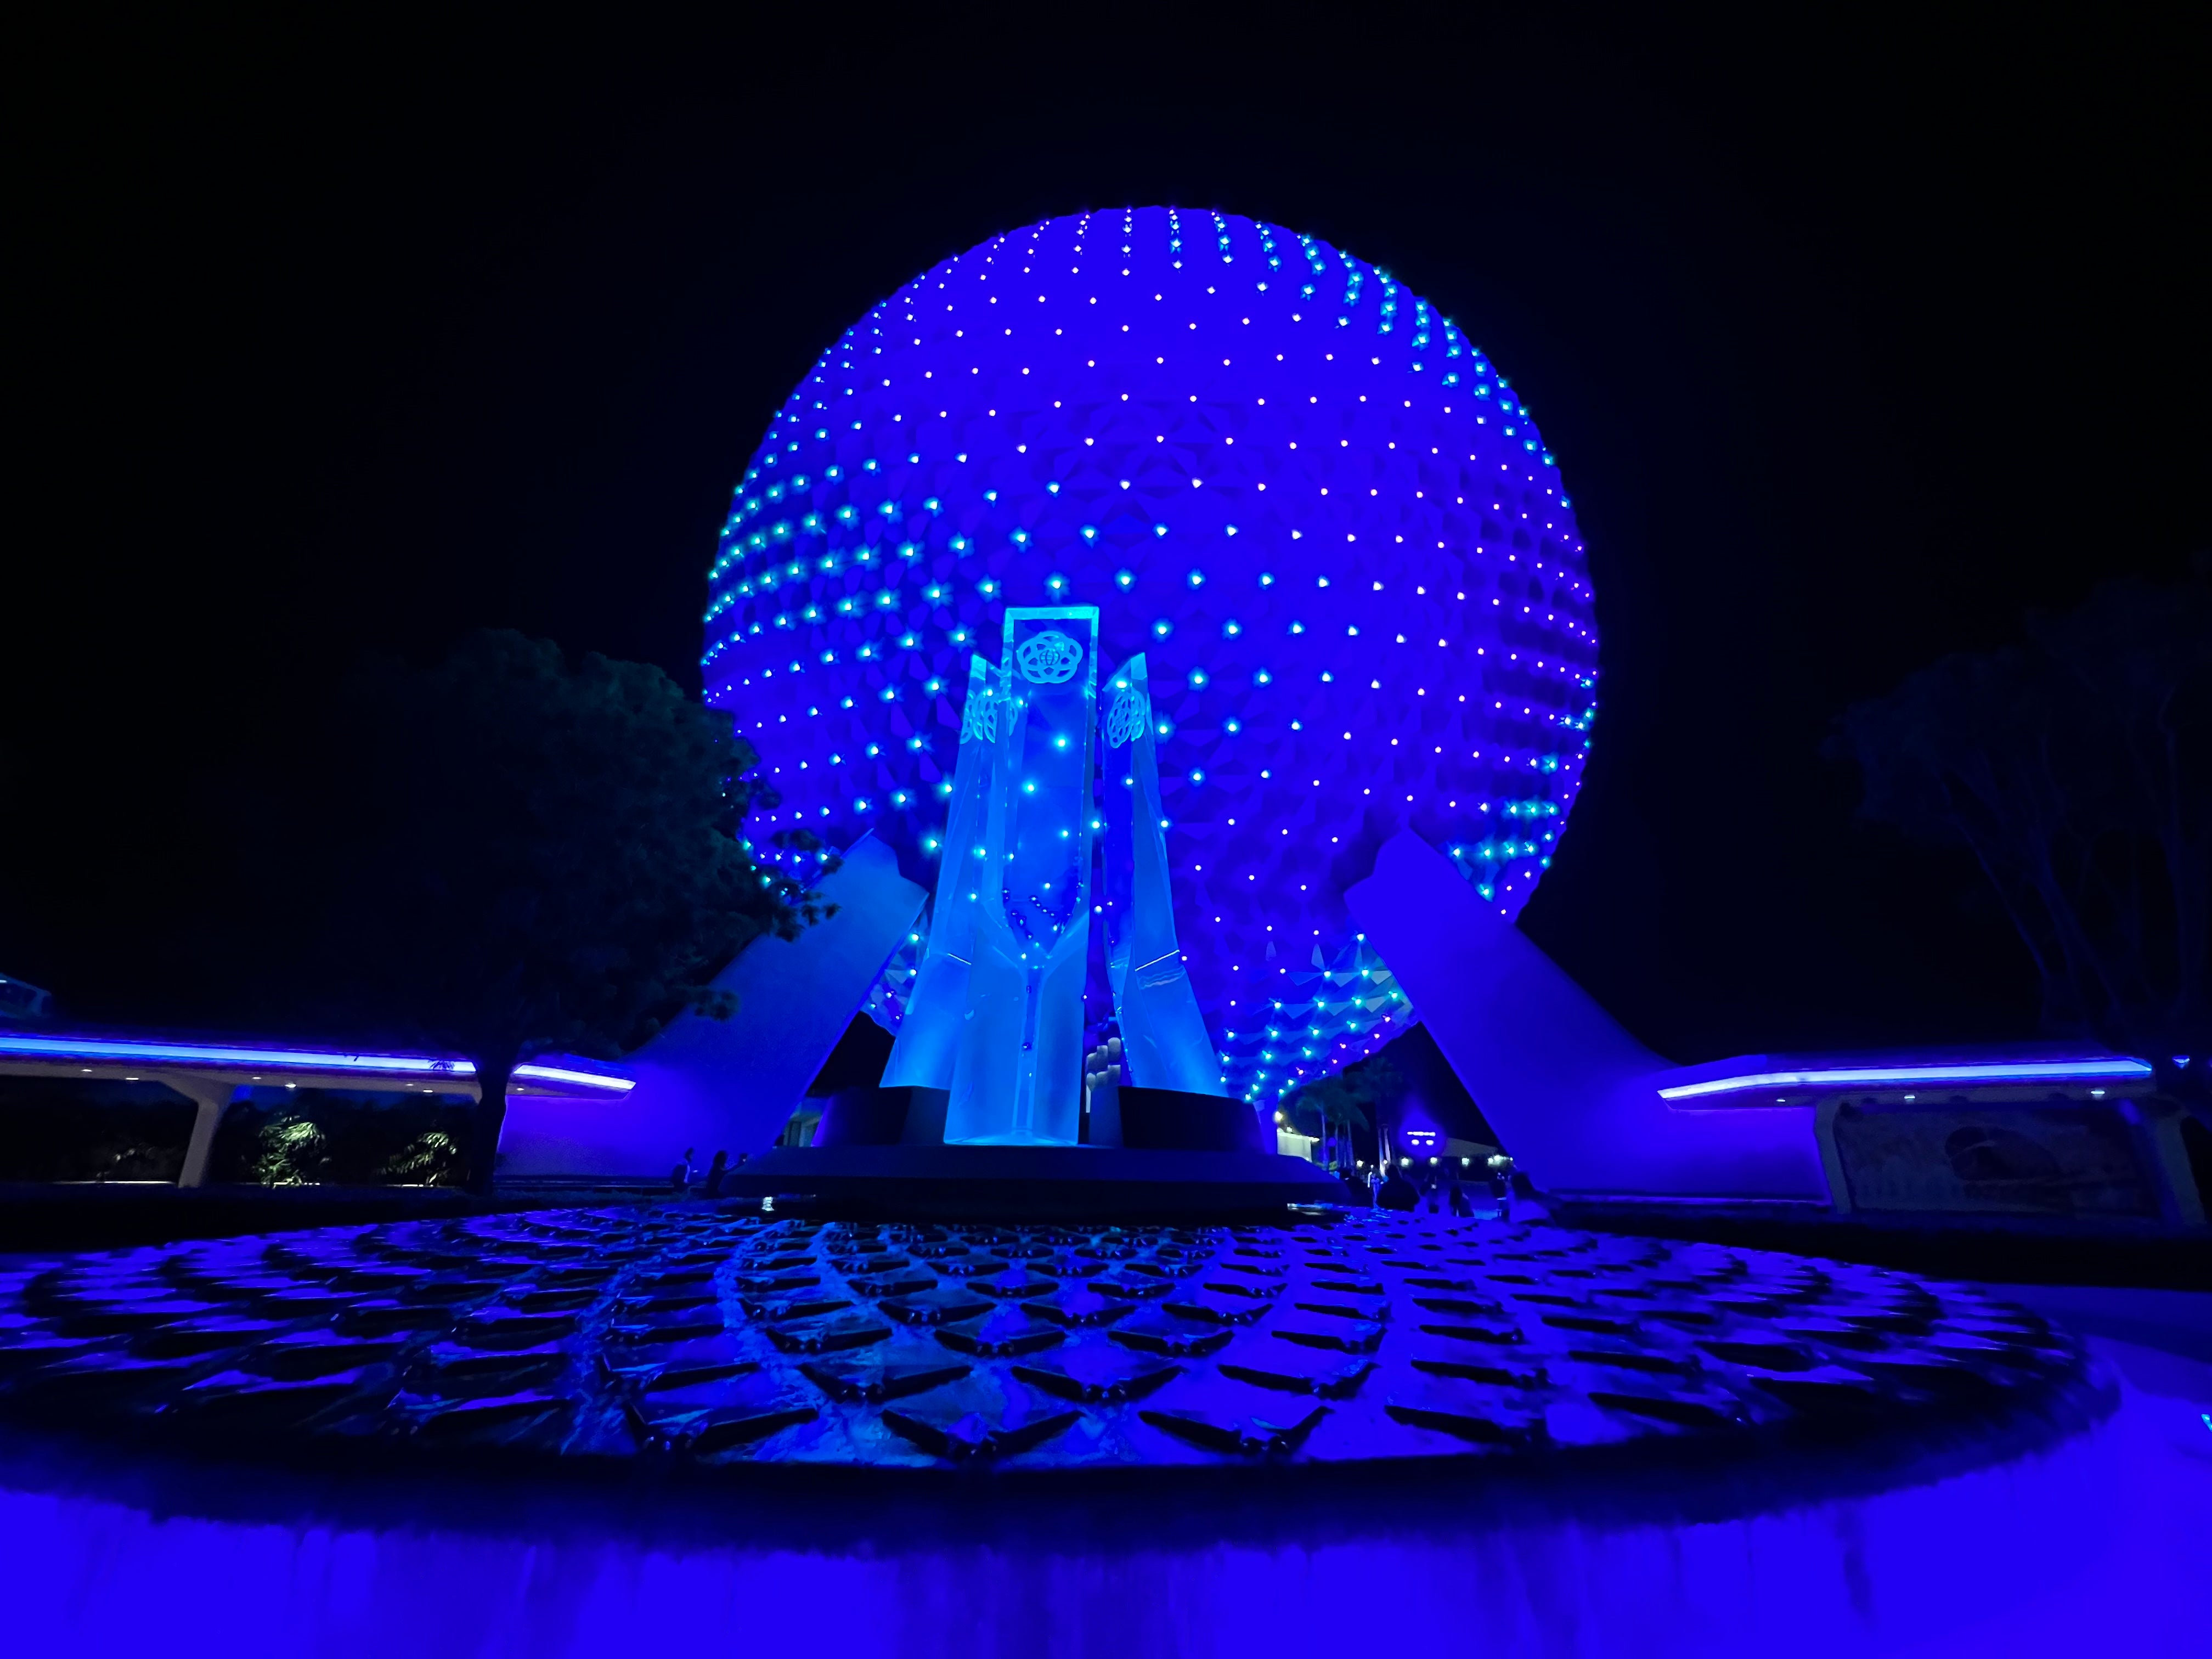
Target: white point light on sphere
[{"x": 1097, "y": 454}]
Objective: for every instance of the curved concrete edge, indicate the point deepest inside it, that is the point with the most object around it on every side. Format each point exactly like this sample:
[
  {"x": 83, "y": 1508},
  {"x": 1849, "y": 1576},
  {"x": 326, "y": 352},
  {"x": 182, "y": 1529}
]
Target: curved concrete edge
[
  {"x": 729, "y": 1085},
  {"x": 1574, "y": 1096}
]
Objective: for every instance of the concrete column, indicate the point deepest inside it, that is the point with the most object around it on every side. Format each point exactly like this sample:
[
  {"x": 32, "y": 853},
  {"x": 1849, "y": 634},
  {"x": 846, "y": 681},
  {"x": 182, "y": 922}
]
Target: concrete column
[
  {"x": 2179, "y": 1200},
  {"x": 212, "y": 1099},
  {"x": 1832, "y": 1156}
]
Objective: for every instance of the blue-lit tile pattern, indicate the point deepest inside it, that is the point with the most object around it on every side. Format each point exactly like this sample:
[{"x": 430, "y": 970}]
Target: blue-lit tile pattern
[{"x": 689, "y": 1335}]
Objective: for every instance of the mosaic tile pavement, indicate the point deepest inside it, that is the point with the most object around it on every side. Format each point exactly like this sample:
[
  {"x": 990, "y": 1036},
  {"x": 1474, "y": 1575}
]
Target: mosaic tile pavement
[{"x": 726, "y": 1339}]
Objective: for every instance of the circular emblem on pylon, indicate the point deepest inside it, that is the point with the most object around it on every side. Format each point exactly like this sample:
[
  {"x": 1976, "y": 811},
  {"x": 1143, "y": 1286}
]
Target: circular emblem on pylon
[
  {"x": 1048, "y": 658},
  {"x": 1126, "y": 718},
  {"x": 978, "y": 720}
]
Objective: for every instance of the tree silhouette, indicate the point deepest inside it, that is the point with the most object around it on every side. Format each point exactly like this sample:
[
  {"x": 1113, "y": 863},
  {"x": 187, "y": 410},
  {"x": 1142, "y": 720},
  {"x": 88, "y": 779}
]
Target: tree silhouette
[
  {"x": 2076, "y": 768},
  {"x": 550, "y": 858}
]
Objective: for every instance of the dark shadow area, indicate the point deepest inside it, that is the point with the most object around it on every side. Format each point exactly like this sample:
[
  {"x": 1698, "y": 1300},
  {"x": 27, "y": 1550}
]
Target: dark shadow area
[
  {"x": 57, "y": 1128},
  {"x": 42, "y": 1217},
  {"x": 857, "y": 1062},
  {"x": 2197, "y": 1142},
  {"x": 2019, "y": 1253}
]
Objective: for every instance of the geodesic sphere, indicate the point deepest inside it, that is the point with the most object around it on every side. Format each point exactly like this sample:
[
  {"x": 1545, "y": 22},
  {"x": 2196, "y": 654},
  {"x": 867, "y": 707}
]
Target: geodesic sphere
[{"x": 1318, "y": 510}]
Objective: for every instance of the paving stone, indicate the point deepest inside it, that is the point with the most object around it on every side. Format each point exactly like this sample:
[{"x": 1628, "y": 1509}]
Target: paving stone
[{"x": 1336, "y": 1335}]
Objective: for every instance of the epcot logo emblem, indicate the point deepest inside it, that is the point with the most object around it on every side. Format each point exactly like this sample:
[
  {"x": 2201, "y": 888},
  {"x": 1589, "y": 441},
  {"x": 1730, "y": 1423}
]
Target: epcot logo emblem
[
  {"x": 1048, "y": 658},
  {"x": 1127, "y": 718},
  {"x": 978, "y": 720}
]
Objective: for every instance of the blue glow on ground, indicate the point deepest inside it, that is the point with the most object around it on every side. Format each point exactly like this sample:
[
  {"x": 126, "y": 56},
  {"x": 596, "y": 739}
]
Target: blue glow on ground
[{"x": 2095, "y": 1546}]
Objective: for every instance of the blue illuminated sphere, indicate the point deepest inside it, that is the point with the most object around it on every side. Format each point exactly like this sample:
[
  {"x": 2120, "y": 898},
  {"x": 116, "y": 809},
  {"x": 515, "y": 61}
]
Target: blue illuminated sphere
[{"x": 1316, "y": 507}]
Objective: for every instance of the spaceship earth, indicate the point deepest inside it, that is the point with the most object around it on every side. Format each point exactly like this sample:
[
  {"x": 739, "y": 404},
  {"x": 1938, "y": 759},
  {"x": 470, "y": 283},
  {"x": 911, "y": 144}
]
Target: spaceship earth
[{"x": 1320, "y": 511}]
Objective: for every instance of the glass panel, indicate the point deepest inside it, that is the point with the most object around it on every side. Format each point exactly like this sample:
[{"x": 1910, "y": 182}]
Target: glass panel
[
  {"x": 1163, "y": 1040},
  {"x": 937, "y": 1006},
  {"x": 1018, "y": 1074}
]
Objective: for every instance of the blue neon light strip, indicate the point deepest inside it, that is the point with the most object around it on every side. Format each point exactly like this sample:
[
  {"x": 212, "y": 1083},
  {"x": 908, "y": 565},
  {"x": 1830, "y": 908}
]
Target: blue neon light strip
[
  {"x": 2049, "y": 1070},
  {"x": 589, "y": 1079},
  {"x": 311, "y": 1059}
]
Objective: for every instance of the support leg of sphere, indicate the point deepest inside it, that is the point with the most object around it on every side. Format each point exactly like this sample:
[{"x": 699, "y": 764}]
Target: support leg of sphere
[{"x": 732, "y": 1082}]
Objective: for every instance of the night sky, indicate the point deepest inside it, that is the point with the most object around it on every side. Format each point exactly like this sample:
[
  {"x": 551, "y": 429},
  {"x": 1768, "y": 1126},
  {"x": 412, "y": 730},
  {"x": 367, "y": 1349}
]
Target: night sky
[{"x": 1853, "y": 347}]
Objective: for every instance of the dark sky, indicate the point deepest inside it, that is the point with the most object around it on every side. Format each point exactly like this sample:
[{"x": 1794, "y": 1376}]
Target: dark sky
[{"x": 1855, "y": 342}]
